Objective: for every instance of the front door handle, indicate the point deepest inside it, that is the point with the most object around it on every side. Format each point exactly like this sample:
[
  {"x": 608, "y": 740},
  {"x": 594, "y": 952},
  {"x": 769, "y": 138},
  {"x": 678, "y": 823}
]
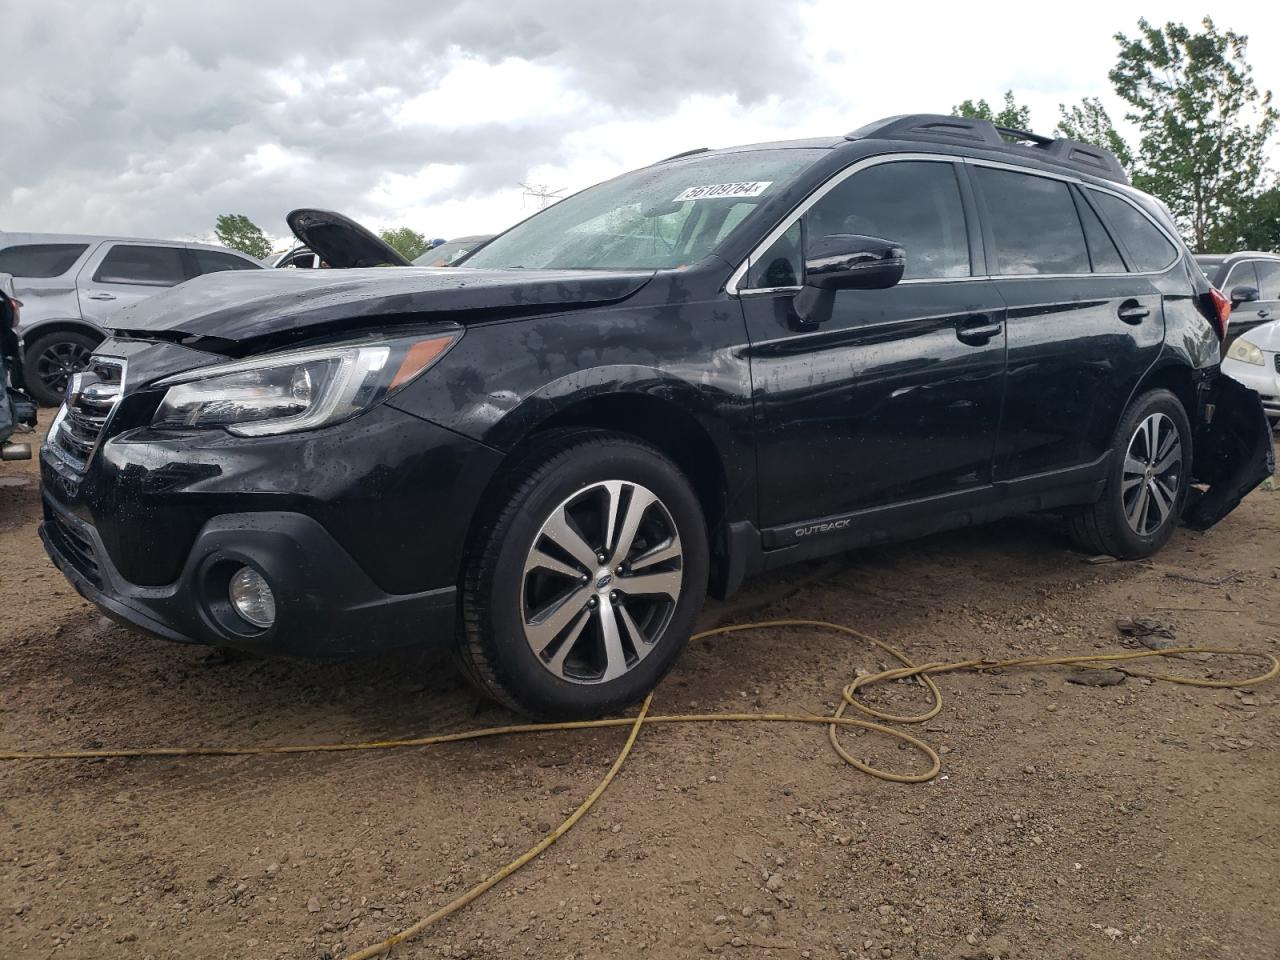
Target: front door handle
[
  {"x": 977, "y": 330},
  {"x": 101, "y": 295},
  {"x": 1131, "y": 311},
  {"x": 1264, "y": 314}
]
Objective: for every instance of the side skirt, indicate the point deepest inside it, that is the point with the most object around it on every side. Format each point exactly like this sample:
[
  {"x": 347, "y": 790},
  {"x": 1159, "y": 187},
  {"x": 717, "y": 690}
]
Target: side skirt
[{"x": 748, "y": 550}]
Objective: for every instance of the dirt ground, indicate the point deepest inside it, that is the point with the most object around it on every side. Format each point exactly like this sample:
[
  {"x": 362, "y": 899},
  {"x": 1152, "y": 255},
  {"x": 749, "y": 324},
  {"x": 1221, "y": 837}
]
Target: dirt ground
[{"x": 1138, "y": 820}]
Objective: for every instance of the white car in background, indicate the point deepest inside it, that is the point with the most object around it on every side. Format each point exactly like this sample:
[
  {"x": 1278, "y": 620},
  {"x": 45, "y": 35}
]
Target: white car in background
[
  {"x": 1254, "y": 360},
  {"x": 71, "y": 284}
]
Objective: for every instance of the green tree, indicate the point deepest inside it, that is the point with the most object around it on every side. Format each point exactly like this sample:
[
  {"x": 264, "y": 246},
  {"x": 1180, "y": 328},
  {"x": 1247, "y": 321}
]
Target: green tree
[
  {"x": 1251, "y": 226},
  {"x": 1013, "y": 115},
  {"x": 1089, "y": 122},
  {"x": 1203, "y": 122},
  {"x": 238, "y": 232},
  {"x": 410, "y": 244}
]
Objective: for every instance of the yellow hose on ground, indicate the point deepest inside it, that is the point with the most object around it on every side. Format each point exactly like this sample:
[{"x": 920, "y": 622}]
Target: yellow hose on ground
[{"x": 922, "y": 672}]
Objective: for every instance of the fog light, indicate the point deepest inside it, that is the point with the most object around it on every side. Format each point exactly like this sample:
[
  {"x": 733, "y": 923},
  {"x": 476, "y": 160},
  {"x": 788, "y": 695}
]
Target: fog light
[{"x": 252, "y": 598}]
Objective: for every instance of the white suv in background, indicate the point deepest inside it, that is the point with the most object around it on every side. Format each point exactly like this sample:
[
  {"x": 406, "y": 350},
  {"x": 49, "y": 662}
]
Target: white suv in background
[{"x": 70, "y": 284}]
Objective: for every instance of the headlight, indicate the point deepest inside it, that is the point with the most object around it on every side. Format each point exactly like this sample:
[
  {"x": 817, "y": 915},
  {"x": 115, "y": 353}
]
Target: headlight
[
  {"x": 1245, "y": 352},
  {"x": 298, "y": 390}
]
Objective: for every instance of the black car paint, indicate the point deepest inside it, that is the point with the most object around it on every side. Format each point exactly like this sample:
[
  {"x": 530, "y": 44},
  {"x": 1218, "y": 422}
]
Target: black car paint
[
  {"x": 239, "y": 315},
  {"x": 808, "y": 442},
  {"x": 340, "y": 242}
]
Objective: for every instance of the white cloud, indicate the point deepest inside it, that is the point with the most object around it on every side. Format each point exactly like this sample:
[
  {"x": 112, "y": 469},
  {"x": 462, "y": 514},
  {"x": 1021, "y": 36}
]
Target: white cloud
[
  {"x": 473, "y": 92},
  {"x": 152, "y": 117}
]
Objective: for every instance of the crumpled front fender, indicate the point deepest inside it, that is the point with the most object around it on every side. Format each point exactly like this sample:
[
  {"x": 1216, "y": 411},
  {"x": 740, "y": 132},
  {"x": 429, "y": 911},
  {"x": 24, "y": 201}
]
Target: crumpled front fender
[{"x": 1233, "y": 452}]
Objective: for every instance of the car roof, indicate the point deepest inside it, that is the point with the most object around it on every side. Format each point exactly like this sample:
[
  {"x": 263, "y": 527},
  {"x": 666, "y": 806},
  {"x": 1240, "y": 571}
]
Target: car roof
[
  {"x": 961, "y": 135},
  {"x": 11, "y": 239}
]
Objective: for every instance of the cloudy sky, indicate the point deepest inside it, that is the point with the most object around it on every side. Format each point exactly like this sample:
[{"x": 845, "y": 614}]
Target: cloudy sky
[{"x": 150, "y": 118}]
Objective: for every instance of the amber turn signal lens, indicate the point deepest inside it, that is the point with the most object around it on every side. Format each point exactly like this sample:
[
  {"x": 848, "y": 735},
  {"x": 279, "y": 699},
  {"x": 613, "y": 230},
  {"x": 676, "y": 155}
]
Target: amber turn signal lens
[{"x": 418, "y": 357}]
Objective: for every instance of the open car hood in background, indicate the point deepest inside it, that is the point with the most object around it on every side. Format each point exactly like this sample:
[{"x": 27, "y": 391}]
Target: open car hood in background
[{"x": 341, "y": 242}]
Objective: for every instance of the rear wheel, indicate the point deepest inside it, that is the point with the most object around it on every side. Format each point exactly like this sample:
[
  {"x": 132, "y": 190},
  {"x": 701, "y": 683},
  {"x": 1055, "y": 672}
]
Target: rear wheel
[
  {"x": 1147, "y": 485},
  {"x": 50, "y": 361},
  {"x": 586, "y": 578}
]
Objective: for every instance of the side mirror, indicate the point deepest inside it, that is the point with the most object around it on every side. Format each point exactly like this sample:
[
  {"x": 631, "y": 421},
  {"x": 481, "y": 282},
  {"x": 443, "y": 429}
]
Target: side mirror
[
  {"x": 843, "y": 261},
  {"x": 846, "y": 261},
  {"x": 1243, "y": 294}
]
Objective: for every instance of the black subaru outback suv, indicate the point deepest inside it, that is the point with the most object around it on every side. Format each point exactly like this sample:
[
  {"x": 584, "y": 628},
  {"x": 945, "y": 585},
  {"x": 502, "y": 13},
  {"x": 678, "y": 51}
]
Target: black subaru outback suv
[{"x": 716, "y": 365}]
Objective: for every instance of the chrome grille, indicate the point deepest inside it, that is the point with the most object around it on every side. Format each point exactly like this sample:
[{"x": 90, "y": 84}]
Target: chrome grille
[
  {"x": 91, "y": 399},
  {"x": 1276, "y": 359}
]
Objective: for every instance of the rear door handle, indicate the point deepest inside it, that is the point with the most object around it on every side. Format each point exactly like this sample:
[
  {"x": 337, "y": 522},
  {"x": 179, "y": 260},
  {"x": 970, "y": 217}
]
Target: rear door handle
[
  {"x": 101, "y": 295},
  {"x": 1131, "y": 311},
  {"x": 1264, "y": 314},
  {"x": 977, "y": 329}
]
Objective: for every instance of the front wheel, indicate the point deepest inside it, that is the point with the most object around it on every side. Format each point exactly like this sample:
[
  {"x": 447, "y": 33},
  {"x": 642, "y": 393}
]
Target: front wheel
[
  {"x": 51, "y": 360},
  {"x": 1147, "y": 485},
  {"x": 585, "y": 578}
]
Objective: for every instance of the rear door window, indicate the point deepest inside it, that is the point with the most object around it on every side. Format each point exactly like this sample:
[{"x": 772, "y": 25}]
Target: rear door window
[
  {"x": 1149, "y": 249},
  {"x": 210, "y": 261},
  {"x": 40, "y": 260},
  {"x": 1034, "y": 225},
  {"x": 148, "y": 266}
]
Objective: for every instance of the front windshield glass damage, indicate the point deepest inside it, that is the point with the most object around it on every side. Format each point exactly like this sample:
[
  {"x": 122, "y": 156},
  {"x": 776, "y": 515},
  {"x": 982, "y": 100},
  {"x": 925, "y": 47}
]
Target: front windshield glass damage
[{"x": 663, "y": 216}]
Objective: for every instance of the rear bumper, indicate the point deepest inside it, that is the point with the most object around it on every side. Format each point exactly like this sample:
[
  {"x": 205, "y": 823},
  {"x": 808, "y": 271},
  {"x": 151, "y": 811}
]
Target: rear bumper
[
  {"x": 1234, "y": 452},
  {"x": 326, "y": 605}
]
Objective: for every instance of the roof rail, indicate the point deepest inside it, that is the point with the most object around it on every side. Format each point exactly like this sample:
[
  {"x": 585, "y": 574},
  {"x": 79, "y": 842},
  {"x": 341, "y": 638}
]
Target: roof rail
[
  {"x": 685, "y": 153},
  {"x": 1084, "y": 157},
  {"x": 1015, "y": 135}
]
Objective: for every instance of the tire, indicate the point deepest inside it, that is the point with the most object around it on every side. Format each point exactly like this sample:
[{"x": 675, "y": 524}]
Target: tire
[
  {"x": 1118, "y": 524},
  {"x": 49, "y": 361},
  {"x": 602, "y": 639}
]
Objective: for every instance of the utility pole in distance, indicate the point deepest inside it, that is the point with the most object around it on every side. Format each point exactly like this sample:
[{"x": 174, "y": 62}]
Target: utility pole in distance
[{"x": 542, "y": 193}]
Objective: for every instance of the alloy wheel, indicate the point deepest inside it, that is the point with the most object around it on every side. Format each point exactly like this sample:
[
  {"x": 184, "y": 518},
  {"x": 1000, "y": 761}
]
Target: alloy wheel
[
  {"x": 601, "y": 582},
  {"x": 58, "y": 361},
  {"x": 1152, "y": 474}
]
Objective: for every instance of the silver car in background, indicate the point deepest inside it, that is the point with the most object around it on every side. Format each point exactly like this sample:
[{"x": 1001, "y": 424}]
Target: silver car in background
[
  {"x": 70, "y": 284},
  {"x": 1254, "y": 359}
]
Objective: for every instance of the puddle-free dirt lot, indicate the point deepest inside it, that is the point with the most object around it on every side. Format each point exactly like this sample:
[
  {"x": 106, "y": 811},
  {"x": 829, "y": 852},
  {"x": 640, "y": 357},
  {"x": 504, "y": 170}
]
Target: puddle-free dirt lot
[{"x": 1138, "y": 820}]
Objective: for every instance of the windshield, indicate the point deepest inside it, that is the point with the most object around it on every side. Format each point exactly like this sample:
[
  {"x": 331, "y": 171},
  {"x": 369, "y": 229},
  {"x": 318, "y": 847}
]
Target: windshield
[
  {"x": 1209, "y": 265},
  {"x": 663, "y": 216}
]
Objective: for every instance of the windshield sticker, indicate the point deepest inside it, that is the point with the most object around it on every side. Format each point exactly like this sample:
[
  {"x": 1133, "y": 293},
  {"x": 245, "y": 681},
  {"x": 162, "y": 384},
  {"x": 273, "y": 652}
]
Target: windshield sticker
[{"x": 712, "y": 191}]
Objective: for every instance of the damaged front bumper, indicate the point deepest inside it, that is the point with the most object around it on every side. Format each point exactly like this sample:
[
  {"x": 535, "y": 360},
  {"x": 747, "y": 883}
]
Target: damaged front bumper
[{"x": 1234, "y": 452}]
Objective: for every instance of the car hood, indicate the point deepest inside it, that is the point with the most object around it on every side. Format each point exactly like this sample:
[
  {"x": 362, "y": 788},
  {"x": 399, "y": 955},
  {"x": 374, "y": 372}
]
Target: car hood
[
  {"x": 244, "y": 305},
  {"x": 1265, "y": 337},
  {"x": 340, "y": 241}
]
